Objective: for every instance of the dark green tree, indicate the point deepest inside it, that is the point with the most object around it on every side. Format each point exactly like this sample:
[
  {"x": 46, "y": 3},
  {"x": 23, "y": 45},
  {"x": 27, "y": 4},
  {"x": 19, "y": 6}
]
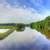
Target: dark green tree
[
  {"x": 20, "y": 27},
  {"x": 42, "y": 26}
]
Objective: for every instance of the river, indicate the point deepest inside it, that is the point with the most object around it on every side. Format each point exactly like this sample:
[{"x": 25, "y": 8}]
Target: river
[{"x": 26, "y": 40}]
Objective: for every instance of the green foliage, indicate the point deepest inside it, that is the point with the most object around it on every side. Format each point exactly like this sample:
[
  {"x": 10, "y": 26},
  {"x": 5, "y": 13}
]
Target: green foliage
[
  {"x": 42, "y": 26},
  {"x": 20, "y": 27}
]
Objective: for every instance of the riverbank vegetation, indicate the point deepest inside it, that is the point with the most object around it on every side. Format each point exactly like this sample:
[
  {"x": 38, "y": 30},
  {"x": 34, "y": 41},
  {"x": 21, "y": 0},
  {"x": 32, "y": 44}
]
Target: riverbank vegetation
[{"x": 41, "y": 26}]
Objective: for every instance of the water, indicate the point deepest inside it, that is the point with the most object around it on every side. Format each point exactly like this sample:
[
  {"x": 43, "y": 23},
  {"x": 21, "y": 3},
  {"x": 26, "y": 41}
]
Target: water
[{"x": 27, "y": 40}]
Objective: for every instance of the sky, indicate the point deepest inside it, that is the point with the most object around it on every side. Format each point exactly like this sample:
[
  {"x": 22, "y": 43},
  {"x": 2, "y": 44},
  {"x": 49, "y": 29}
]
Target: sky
[
  {"x": 24, "y": 11},
  {"x": 16, "y": 11}
]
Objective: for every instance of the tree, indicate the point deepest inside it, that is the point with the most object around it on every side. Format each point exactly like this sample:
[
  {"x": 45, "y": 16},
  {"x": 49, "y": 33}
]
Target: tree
[
  {"x": 20, "y": 27},
  {"x": 42, "y": 26}
]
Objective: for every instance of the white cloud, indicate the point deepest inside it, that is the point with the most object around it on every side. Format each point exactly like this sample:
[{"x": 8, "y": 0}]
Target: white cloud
[
  {"x": 11, "y": 14},
  {"x": 17, "y": 15},
  {"x": 25, "y": 38}
]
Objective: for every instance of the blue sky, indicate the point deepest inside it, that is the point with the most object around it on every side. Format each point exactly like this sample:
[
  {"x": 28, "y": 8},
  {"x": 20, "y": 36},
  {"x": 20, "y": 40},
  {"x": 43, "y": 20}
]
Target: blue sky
[
  {"x": 24, "y": 11},
  {"x": 31, "y": 10},
  {"x": 39, "y": 5}
]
